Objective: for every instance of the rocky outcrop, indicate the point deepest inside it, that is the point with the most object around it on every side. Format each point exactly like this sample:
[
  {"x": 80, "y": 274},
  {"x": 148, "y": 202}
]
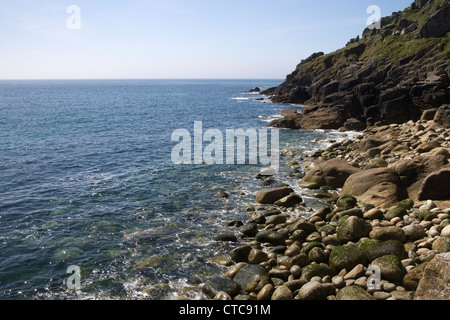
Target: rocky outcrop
[
  {"x": 391, "y": 75},
  {"x": 434, "y": 284}
]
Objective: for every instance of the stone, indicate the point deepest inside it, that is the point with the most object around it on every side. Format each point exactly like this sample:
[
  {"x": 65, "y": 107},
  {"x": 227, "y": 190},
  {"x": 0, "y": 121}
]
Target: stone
[
  {"x": 276, "y": 219},
  {"x": 412, "y": 278},
  {"x": 380, "y": 187},
  {"x": 346, "y": 257},
  {"x": 222, "y": 296},
  {"x": 441, "y": 244},
  {"x": 389, "y": 247},
  {"x": 266, "y": 292},
  {"x": 270, "y": 196},
  {"x": 220, "y": 284},
  {"x": 249, "y": 229},
  {"x": 446, "y": 232},
  {"x": 391, "y": 268},
  {"x": 388, "y": 233},
  {"x": 373, "y": 214},
  {"x": 332, "y": 173},
  {"x": 353, "y": 293},
  {"x": 436, "y": 186},
  {"x": 312, "y": 291},
  {"x": 428, "y": 146},
  {"x": 282, "y": 293},
  {"x": 252, "y": 278},
  {"x": 355, "y": 273},
  {"x": 442, "y": 116},
  {"x": 402, "y": 295},
  {"x": 275, "y": 237},
  {"x": 396, "y": 212},
  {"x": 289, "y": 201},
  {"x": 320, "y": 270},
  {"x": 257, "y": 256},
  {"x": 240, "y": 254},
  {"x": 225, "y": 237},
  {"x": 414, "y": 231},
  {"x": 346, "y": 202},
  {"x": 434, "y": 284},
  {"x": 352, "y": 228}
]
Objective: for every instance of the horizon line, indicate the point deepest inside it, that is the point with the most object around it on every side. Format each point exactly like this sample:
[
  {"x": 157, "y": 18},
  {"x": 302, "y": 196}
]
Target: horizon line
[{"x": 115, "y": 79}]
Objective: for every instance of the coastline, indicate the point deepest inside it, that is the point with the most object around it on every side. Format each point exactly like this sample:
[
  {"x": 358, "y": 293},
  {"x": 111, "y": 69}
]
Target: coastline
[{"x": 380, "y": 235}]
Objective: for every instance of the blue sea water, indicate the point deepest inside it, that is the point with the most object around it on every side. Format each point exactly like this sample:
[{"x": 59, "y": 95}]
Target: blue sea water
[{"x": 86, "y": 179}]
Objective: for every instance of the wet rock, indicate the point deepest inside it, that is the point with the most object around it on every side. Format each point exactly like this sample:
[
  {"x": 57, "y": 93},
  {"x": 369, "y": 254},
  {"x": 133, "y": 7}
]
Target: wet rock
[
  {"x": 220, "y": 284},
  {"x": 275, "y": 237},
  {"x": 270, "y": 196},
  {"x": 252, "y": 278},
  {"x": 321, "y": 270},
  {"x": 289, "y": 201},
  {"x": 240, "y": 254}
]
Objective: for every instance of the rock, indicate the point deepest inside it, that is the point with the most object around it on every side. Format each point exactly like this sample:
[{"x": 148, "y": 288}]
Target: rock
[
  {"x": 352, "y": 228},
  {"x": 434, "y": 283},
  {"x": 427, "y": 146},
  {"x": 436, "y": 186},
  {"x": 257, "y": 89},
  {"x": 412, "y": 278},
  {"x": 379, "y": 187},
  {"x": 332, "y": 173},
  {"x": 396, "y": 212},
  {"x": 257, "y": 256},
  {"x": 427, "y": 206},
  {"x": 266, "y": 292},
  {"x": 414, "y": 231},
  {"x": 220, "y": 284},
  {"x": 388, "y": 233},
  {"x": 240, "y": 254},
  {"x": 353, "y": 293},
  {"x": 303, "y": 225},
  {"x": 282, "y": 293},
  {"x": 402, "y": 295},
  {"x": 249, "y": 229},
  {"x": 312, "y": 291},
  {"x": 252, "y": 278},
  {"x": 320, "y": 270},
  {"x": 276, "y": 219},
  {"x": 271, "y": 195},
  {"x": 225, "y": 237},
  {"x": 442, "y": 116},
  {"x": 355, "y": 273},
  {"x": 389, "y": 247},
  {"x": 446, "y": 232},
  {"x": 373, "y": 214},
  {"x": 275, "y": 237},
  {"x": 222, "y": 296},
  {"x": 441, "y": 244},
  {"x": 346, "y": 202},
  {"x": 391, "y": 268},
  {"x": 268, "y": 172},
  {"x": 413, "y": 171},
  {"x": 346, "y": 257},
  {"x": 289, "y": 201}
]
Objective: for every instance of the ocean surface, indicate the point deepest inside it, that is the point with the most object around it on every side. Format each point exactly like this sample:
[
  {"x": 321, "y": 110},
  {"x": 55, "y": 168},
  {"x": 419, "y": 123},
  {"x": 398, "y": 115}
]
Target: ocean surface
[{"x": 87, "y": 180}]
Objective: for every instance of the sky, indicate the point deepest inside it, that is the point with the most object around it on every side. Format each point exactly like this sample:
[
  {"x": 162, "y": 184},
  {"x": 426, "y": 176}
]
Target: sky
[{"x": 173, "y": 39}]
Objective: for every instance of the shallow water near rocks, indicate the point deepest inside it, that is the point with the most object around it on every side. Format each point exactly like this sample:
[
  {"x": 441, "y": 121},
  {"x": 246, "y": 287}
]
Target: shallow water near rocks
[{"x": 86, "y": 179}]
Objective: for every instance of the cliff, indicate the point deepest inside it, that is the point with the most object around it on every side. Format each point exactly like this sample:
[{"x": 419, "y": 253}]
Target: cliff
[{"x": 391, "y": 75}]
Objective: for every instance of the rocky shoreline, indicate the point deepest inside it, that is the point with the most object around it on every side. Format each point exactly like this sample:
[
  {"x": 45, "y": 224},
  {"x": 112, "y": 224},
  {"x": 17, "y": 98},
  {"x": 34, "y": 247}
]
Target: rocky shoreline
[{"x": 383, "y": 232}]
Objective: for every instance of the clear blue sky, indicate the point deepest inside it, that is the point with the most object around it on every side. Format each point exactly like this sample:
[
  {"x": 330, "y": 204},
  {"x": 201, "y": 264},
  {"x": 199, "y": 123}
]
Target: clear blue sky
[{"x": 174, "y": 38}]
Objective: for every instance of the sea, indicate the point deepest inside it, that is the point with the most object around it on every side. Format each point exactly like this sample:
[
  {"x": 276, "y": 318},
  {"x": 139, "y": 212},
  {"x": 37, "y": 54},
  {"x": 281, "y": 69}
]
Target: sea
[{"x": 92, "y": 205}]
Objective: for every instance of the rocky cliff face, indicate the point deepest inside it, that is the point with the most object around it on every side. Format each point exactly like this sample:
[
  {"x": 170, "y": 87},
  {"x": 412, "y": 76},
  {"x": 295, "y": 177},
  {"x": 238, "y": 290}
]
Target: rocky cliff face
[{"x": 390, "y": 75}]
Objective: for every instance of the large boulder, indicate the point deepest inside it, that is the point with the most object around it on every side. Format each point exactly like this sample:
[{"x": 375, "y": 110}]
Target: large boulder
[
  {"x": 379, "y": 187},
  {"x": 434, "y": 284},
  {"x": 331, "y": 173},
  {"x": 436, "y": 186},
  {"x": 412, "y": 172},
  {"x": 442, "y": 116},
  {"x": 270, "y": 196},
  {"x": 391, "y": 268}
]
